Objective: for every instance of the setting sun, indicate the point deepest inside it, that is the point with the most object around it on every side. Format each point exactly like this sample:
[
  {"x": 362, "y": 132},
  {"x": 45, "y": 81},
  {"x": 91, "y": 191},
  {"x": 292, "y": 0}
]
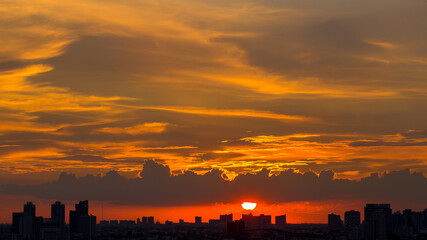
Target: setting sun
[{"x": 248, "y": 205}]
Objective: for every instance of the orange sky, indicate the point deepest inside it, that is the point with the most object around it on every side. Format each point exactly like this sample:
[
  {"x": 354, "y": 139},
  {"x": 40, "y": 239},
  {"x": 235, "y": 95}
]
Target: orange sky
[{"x": 87, "y": 87}]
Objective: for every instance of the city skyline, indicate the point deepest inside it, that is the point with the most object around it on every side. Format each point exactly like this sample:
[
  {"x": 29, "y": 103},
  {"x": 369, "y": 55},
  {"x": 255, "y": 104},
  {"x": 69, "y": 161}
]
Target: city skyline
[
  {"x": 346, "y": 216},
  {"x": 196, "y": 106},
  {"x": 380, "y": 222}
]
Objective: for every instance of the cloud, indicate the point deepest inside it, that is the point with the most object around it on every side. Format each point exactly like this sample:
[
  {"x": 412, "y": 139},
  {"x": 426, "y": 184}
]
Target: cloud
[
  {"x": 241, "y": 85},
  {"x": 415, "y": 134},
  {"x": 386, "y": 45},
  {"x": 374, "y": 143},
  {"x": 154, "y": 127},
  {"x": 157, "y": 187},
  {"x": 407, "y": 138},
  {"x": 245, "y": 113}
]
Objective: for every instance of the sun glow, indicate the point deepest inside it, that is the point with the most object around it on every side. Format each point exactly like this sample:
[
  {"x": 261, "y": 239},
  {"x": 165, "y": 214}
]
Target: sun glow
[{"x": 248, "y": 205}]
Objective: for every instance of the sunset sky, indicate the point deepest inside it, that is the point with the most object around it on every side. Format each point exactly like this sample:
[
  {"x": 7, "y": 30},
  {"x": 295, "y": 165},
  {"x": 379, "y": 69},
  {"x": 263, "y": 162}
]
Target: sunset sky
[{"x": 307, "y": 107}]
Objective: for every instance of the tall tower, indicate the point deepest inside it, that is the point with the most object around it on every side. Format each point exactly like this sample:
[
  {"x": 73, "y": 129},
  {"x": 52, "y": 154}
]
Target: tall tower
[
  {"x": 82, "y": 208},
  {"x": 80, "y": 220},
  {"x": 334, "y": 221},
  {"x": 57, "y": 212},
  {"x": 30, "y": 209},
  {"x": 377, "y": 221},
  {"x": 352, "y": 218}
]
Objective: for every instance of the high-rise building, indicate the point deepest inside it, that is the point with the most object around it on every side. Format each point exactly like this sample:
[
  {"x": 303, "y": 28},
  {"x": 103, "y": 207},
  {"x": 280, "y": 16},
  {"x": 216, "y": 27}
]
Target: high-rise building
[
  {"x": 281, "y": 220},
  {"x": 198, "y": 220},
  {"x": 81, "y": 223},
  {"x": 24, "y": 223},
  {"x": 397, "y": 221},
  {"x": 82, "y": 208},
  {"x": 27, "y": 226},
  {"x": 30, "y": 209},
  {"x": 378, "y": 221},
  {"x": 260, "y": 221},
  {"x": 334, "y": 221},
  {"x": 409, "y": 224},
  {"x": 29, "y": 221},
  {"x": 57, "y": 220},
  {"x": 17, "y": 222},
  {"x": 226, "y": 218},
  {"x": 57, "y": 213},
  {"x": 424, "y": 219},
  {"x": 352, "y": 219},
  {"x": 150, "y": 220},
  {"x": 409, "y": 220}
]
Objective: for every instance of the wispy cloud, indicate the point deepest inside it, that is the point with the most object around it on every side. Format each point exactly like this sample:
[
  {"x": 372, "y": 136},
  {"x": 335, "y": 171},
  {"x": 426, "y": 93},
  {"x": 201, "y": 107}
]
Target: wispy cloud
[
  {"x": 154, "y": 127},
  {"x": 230, "y": 113},
  {"x": 382, "y": 44}
]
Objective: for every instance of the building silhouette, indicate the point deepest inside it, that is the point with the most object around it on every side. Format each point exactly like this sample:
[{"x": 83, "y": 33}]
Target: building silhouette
[
  {"x": 81, "y": 223},
  {"x": 281, "y": 220},
  {"x": 260, "y": 221},
  {"x": 16, "y": 222},
  {"x": 334, "y": 221},
  {"x": 214, "y": 221},
  {"x": 352, "y": 219},
  {"x": 57, "y": 216},
  {"x": 30, "y": 209},
  {"x": 226, "y": 218},
  {"x": 25, "y": 225},
  {"x": 150, "y": 220},
  {"x": 379, "y": 224},
  {"x": 378, "y": 221},
  {"x": 409, "y": 224},
  {"x": 236, "y": 229},
  {"x": 54, "y": 228}
]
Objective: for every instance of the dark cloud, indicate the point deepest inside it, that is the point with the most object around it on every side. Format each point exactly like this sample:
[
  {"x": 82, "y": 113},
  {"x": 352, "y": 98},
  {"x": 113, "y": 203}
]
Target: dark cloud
[
  {"x": 39, "y": 177},
  {"x": 409, "y": 138},
  {"x": 383, "y": 143},
  {"x": 64, "y": 117},
  {"x": 415, "y": 134},
  {"x": 156, "y": 186},
  {"x": 11, "y": 65},
  {"x": 83, "y": 157}
]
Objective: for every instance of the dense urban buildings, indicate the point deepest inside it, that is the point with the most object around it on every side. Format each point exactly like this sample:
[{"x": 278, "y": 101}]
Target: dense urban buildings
[
  {"x": 26, "y": 226},
  {"x": 379, "y": 223},
  {"x": 260, "y": 221},
  {"x": 334, "y": 221}
]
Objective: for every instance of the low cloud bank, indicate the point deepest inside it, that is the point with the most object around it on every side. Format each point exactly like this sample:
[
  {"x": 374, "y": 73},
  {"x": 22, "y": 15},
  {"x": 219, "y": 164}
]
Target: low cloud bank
[{"x": 158, "y": 187}]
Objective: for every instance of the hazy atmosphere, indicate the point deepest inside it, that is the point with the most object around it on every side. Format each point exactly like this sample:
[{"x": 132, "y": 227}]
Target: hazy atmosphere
[{"x": 194, "y": 103}]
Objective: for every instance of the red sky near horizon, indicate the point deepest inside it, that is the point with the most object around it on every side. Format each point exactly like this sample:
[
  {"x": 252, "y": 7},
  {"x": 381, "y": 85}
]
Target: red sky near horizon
[
  {"x": 296, "y": 212},
  {"x": 87, "y": 87}
]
